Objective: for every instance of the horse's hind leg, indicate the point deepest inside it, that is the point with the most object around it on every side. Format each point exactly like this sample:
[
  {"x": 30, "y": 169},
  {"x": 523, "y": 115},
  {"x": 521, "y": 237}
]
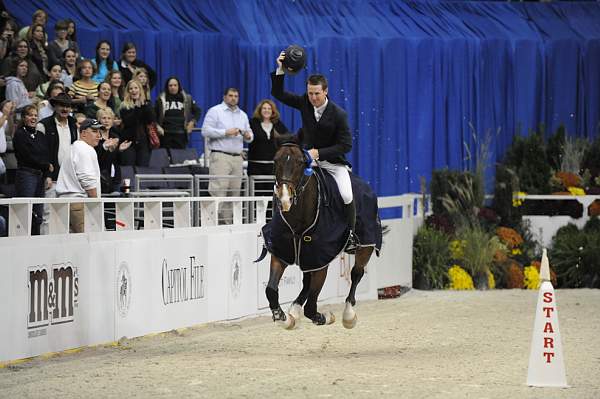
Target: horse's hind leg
[
  {"x": 272, "y": 293},
  {"x": 363, "y": 254},
  {"x": 317, "y": 279}
]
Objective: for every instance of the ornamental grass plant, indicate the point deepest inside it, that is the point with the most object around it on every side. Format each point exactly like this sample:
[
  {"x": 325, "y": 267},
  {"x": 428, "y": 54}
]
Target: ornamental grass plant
[{"x": 479, "y": 249}]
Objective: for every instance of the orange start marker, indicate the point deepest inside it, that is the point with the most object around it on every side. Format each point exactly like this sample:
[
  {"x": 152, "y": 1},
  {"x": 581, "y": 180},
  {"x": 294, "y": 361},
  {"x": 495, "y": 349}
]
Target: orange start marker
[{"x": 546, "y": 362}]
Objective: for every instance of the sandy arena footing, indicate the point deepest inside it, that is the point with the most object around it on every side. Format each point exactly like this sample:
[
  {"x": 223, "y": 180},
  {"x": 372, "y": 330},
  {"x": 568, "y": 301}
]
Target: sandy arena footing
[{"x": 439, "y": 344}]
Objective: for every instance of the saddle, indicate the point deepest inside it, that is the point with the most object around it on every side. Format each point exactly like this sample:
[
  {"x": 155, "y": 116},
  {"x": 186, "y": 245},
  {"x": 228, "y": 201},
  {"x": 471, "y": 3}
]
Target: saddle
[{"x": 327, "y": 235}]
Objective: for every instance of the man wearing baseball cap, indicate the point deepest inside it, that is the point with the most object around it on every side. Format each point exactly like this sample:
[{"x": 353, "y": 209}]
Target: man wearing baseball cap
[{"x": 79, "y": 175}]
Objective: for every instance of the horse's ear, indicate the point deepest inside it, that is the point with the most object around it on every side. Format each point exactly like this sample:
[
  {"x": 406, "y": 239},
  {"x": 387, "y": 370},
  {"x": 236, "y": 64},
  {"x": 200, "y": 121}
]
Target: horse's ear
[{"x": 283, "y": 138}]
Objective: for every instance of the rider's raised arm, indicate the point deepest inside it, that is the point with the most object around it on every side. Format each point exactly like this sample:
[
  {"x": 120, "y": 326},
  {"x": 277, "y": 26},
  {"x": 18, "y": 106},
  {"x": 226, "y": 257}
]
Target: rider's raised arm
[{"x": 277, "y": 91}]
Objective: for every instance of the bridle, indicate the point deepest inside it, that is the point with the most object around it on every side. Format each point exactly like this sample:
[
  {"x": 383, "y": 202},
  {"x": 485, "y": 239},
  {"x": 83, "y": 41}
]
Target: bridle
[{"x": 304, "y": 179}]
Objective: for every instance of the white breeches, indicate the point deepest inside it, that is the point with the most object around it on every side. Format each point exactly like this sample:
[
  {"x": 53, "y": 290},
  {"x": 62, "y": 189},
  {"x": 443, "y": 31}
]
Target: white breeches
[{"x": 341, "y": 177}]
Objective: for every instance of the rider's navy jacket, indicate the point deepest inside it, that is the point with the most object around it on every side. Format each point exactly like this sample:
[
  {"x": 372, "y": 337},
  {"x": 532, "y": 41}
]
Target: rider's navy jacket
[{"x": 330, "y": 135}]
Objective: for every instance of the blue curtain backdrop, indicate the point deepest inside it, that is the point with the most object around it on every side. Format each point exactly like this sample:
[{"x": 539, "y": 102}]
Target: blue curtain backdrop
[{"x": 422, "y": 82}]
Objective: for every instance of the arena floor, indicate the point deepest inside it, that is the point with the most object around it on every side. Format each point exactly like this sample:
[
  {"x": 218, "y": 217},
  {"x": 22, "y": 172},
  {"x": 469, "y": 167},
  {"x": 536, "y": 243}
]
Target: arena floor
[{"x": 422, "y": 345}]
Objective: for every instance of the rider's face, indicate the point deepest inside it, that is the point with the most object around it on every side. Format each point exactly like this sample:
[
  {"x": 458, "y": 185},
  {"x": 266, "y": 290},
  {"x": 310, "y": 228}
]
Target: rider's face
[{"x": 316, "y": 95}]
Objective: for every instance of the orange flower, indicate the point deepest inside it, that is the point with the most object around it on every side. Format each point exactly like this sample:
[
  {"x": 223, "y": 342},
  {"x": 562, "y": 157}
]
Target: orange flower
[
  {"x": 509, "y": 237},
  {"x": 514, "y": 275},
  {"x": 569, "y": 179}
]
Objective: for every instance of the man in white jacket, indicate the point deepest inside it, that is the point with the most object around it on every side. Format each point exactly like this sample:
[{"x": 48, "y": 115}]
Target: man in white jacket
[{"x": 79, "y": 176}]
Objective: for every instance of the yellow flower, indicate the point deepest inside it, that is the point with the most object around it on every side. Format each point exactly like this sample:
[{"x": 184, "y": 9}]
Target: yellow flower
[
  {"x": 516, "y": 251},
  {"x": 460, "y": 279},
  {"x": 491, "y": 281},
  {"x": 531, "y": 279},
  {"x": 457, "y": 248},
  {"x": 517, "y": 201},
  {"x": 576, "y": 191}
]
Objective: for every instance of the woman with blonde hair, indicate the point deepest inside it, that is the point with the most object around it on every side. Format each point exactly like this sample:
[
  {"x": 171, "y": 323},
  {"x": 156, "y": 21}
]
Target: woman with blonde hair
[
  {"x": 141, "y": 75},
  {"x": 266, "y": 126},
  {"x": 108, "y": 148},
  {"x": 39, "y": 17},
  {"x": 136, "y": 115}
]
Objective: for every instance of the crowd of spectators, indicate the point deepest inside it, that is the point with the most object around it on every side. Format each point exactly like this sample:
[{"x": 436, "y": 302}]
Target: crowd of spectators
[{"x": 47, "y": 88}]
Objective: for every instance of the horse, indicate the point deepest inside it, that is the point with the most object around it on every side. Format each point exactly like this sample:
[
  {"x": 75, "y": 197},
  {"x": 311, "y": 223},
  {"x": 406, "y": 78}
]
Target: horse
[{"x": 300, "y": 199}]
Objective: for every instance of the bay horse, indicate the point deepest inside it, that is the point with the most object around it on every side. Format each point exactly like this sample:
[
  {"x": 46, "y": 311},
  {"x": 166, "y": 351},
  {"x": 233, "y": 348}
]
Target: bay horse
[{"x": 297, "y": 206}]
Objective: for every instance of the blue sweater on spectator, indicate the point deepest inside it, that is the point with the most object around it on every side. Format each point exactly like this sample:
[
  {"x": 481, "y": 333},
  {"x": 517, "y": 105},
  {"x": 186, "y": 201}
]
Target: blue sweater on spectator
[{"x": 102, "y": 70}]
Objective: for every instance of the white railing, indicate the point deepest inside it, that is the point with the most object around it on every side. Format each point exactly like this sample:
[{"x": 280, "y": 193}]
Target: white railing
[{"x": 127, "y": 210}]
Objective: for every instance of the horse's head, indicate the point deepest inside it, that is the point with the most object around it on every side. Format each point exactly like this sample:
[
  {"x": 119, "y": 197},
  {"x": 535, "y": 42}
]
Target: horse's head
[{"x": 290, "y": 164}]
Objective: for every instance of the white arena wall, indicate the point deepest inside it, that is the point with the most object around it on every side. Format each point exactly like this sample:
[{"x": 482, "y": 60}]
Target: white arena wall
[{"x": 65, "y": 291}]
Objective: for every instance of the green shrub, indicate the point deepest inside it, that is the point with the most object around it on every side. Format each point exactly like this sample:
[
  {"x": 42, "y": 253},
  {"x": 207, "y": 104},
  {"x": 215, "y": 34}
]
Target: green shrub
[
  {"x": 575, "y": 255},
  {"x": 591, "y": 160},
  {"x": 507, "y": 183},
  {"x": 431, "y": 258},
  {"x": 527, "y": 157},
  {"x": 555, "y": 148}
]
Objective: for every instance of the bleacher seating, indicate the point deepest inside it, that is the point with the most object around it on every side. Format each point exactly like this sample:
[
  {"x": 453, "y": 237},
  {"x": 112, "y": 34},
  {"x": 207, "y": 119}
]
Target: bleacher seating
[
  {"x": 159, "y": 158},
  {"x": 178, "y": 156}
]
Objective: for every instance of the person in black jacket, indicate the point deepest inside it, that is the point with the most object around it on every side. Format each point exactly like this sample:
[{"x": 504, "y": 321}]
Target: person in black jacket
[
  {"x": 33, "y": 163},
  {"x": 61, "y": 131},
  {"x": 325, "y": 133},
  {"x": 266, "y": 126},
  {"x": 176, "y": 113},
  {"x": 129, "y": 63},
  {"x": 136, "y": 116}
]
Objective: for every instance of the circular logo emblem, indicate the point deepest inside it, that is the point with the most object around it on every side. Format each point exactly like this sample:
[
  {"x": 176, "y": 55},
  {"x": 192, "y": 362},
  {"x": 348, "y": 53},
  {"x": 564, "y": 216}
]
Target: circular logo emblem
[
  {"x": 236, "y": 274},
  {"x": 123, "y": 289}
]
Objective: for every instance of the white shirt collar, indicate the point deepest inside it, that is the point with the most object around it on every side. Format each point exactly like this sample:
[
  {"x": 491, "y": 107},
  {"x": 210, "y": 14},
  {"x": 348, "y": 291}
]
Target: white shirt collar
[
  {"x": 227, "y": 108},
  {"x": 321, "y": 109}
]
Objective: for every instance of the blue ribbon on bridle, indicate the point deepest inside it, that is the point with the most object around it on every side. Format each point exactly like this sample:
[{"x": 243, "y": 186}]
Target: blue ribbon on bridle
[{"x": 308, "y": 170}]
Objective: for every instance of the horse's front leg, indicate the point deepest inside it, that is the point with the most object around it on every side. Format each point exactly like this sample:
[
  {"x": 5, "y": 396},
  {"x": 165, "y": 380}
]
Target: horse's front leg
[
  {"x": 317, "y": 279},
  {"x": 272, "y": 293},
  {"x": 296, "y": 308},
  {"x": 363, "y": 254}
]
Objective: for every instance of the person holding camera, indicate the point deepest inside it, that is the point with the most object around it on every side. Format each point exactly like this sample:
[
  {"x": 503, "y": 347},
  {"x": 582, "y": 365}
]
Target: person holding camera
[{"x": 227, "y": 128}]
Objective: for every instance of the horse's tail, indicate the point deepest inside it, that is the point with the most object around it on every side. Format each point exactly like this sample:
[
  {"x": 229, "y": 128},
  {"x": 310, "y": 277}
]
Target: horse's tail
[{"x": 262, "y": 255}]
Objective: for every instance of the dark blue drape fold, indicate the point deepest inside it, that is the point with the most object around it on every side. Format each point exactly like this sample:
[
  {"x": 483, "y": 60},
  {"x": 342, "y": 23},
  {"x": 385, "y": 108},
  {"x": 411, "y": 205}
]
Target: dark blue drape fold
[{"x": 422, "y": 81}]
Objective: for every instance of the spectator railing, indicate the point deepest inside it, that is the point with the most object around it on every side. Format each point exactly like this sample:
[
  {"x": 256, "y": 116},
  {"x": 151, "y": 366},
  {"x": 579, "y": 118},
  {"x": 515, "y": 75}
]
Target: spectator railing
[
  {"x": 257, "y": 189},
  {"x": 202, "y": 182},
  {"x": 152, "y": 217}
]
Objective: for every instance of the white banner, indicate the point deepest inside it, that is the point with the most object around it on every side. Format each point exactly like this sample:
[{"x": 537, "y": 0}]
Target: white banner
[
  {"x": 47, "y": 298},
  {"x": 64, "y": 292}
]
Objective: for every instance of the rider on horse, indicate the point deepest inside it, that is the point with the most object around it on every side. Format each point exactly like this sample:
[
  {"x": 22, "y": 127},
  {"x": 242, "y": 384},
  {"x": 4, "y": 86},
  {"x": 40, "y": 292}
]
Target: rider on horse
[{"x": 325, "y": 133}]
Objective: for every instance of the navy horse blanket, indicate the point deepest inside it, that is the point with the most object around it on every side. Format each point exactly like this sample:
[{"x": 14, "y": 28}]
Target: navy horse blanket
[{"x": 326, "y": 237}]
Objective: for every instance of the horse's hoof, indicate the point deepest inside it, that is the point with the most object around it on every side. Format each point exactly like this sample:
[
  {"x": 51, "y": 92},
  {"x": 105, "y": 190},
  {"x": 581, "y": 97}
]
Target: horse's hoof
[
  {"x": 296, "y": 311},
  {"x": 289, "y": 323},
  {"x": 350, "y": 323},
  {"x": 321, "y": 319},
  {"x": 349, "y": 318},
  {"x": 285, "y": 320},
  {"x": 329, "y": 318}
]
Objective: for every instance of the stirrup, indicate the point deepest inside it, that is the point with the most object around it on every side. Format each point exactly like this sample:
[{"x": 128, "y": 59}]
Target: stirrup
[{"x": 352, "y": 244}]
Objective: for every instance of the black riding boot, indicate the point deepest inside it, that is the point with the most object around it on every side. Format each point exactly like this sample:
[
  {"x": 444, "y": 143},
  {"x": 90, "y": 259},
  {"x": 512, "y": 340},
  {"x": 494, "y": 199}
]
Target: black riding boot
[{"x": 350, "y": 210}]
